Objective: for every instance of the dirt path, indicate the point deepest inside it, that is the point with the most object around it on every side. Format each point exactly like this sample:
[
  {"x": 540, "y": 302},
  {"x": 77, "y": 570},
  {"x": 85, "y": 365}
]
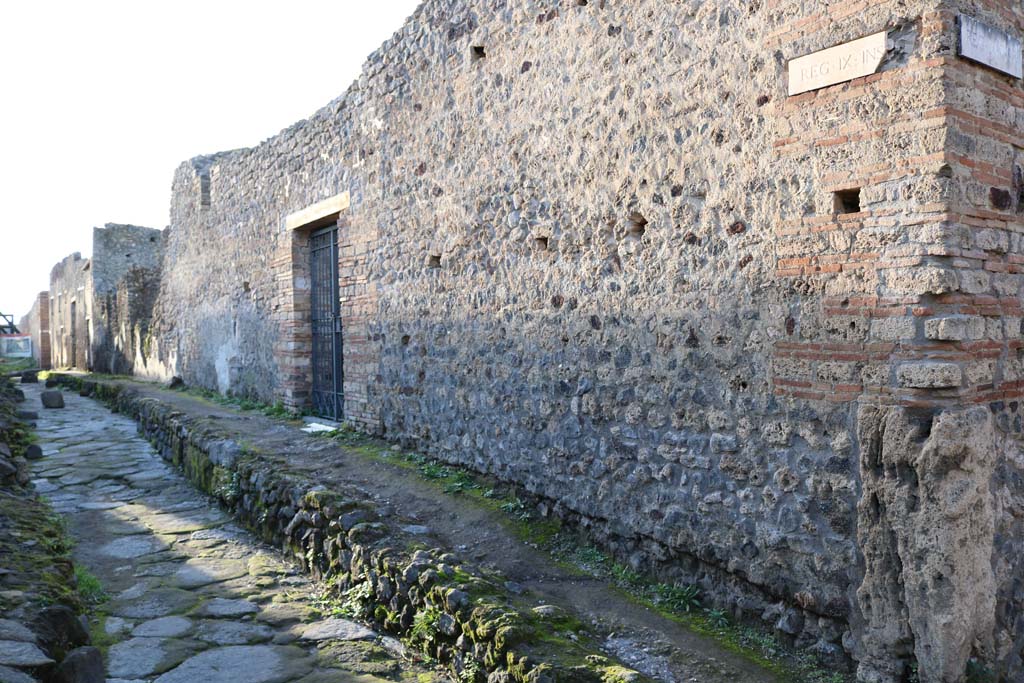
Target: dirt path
[
  {"x": 191, "y": 596},
  {"x": 643, "y": 638}
]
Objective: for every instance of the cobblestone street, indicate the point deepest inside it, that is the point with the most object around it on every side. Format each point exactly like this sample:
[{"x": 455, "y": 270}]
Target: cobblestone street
[{"x": 190, "y": 596}]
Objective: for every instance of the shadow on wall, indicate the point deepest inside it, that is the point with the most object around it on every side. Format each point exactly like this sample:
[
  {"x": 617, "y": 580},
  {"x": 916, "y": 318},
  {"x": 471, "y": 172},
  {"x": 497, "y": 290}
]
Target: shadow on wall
[{"x": 225, "y": 348}]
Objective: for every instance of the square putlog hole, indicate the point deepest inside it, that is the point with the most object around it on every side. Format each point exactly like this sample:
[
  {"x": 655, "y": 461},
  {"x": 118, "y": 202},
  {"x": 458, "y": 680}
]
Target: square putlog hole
[{"x": 846, "y": 201}]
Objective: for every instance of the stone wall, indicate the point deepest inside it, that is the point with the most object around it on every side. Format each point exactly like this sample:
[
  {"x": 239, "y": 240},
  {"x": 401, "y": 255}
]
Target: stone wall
[
  {"x": 71, "y": 311},
  {"x": 594, "y": 248},
  {"x": 113, "y": 294},
  {"x": 983, "y": 330},
  {"x": 127, "y": 263},
  {"x": 36, "y": 323}
]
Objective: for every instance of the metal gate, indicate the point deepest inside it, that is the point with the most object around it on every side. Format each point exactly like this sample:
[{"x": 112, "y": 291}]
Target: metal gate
[
  {"x": 73, "y": 360},
  {"x": 328, "y": 374}
]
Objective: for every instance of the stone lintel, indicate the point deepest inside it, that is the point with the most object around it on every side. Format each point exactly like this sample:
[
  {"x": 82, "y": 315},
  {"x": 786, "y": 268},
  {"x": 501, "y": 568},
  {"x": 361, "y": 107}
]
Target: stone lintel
[{"x": 315, "y": 213}]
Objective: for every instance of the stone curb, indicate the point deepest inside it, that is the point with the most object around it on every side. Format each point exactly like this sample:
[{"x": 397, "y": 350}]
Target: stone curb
[{"x": 457, "y": 616}]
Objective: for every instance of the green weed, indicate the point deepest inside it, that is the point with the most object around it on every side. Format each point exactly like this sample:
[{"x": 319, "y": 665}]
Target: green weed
[
  {"x": 717, "y": 618},
  {"x": 425, "y": 625},
  {"x": 89, "y": 587},
  {"x": 679, "y": 599}
]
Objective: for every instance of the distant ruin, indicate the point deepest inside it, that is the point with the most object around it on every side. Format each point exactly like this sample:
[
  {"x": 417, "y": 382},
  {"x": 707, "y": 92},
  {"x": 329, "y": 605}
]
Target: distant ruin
[
  {"x": 770, "y": 344},
  {"x": 97, "y": 312}
]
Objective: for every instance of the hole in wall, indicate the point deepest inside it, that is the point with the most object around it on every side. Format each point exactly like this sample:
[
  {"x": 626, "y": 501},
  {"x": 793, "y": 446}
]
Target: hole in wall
[
  {"x": 582, "y": 3},
  {"x": 540, "y": 243},
  {"x": 846, "y": 201},
  {"x": 405, "y": 340},
  {"x": 153, "y": 238},
  {"x": 204, "y": 190},
  {"x": 636, "y": 225},
  {"x": 127, "y": 255},
  {"x": 245, "y": 287},
  {"x": 477, "y": 52},
  {"x": 945, "y": 171},
  {"x": 434, "y": 261}
]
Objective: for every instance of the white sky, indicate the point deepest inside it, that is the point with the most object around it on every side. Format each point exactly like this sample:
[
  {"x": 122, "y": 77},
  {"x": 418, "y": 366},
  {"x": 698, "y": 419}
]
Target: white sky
[{"x": 101, "y": 100}]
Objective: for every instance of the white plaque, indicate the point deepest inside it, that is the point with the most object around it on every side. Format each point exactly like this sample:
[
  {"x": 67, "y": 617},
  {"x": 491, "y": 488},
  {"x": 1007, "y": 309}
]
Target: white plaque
[
  {"x": 989, "y": 46},
  {"x": 837, "y": 64}
]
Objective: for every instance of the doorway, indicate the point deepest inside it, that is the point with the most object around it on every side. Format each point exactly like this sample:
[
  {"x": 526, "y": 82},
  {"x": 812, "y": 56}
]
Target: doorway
[
  {"x": 325, "y": 315},
  {"x": 73, "y": 360}
]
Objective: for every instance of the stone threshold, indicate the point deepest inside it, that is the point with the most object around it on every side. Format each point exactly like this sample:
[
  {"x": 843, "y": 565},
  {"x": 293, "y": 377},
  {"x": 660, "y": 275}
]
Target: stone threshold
[{"x": 457, "y": 614}]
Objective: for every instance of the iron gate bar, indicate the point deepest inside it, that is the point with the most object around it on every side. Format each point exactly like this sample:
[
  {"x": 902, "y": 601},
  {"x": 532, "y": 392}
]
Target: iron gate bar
[{"x": 325, "y": 316}]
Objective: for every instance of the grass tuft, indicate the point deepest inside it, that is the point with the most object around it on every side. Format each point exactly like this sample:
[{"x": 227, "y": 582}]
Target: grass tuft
[{"x": 89, "y": 588}]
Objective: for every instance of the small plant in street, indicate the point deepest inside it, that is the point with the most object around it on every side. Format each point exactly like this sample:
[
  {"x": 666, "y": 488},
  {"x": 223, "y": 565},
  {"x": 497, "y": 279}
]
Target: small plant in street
[
  {"x": 516, "y": 508},
  {"x": 717, "y": 618},
  {"x": 762, "y": 643},
  {"x": 460, "y": 482},
  {"x": 626, "y": 577},
  {"x": 89, "y": 587},
  {"x": 278, "y": 410},
  {"x": 677, "y": 598},
  {"x": 434, "y": 470}
]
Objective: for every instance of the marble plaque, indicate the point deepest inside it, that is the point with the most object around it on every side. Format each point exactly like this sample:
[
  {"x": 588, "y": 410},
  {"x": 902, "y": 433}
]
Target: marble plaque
[
  {"x": 989, "y": 46},
  {"x": 837, "y": 64}
]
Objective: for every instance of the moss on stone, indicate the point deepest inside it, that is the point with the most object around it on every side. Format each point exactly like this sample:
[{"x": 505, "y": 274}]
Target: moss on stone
[
  {"x": 37, "y": 553},
  {"x": 357, "y": 656}
]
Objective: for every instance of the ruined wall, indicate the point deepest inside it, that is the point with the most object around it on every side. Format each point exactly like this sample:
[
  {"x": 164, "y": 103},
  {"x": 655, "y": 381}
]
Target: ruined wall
[
  {"x": 110, "y": 297},
  {"x": 71, "y": 307},
  {"x": 595, "y": 249},
  {"x": 126, "y": 270},
  {"x": 984, "y": 332},
  {"x": 37, "y": 324}
]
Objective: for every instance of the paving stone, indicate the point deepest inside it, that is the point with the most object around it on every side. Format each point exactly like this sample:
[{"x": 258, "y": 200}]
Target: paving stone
[
  {"x": 116, "y": 625},
  {"x": 19, "y": 653},
  {"x": 222, "y": 632},
  {"x": 164, "y": 627},
  {"x": 336, "y": 676},
  {"x": 9, "y": 675},
  {"x": 12, "y": 630},
  {"x": 337, "y": 629},
  {"x": 128, "y": 547},
  {"x": 224, "y": 607},
  {"x": 140, "y": 657},
  {"x": 182, "y": 523},
  {"x": 283, "y": 613},
  {"x": 248, "y": 663},
  {"x": 159, "y": 602},
  {"x": 81, "y": 665},
  {"x": 202, "y": 571}
]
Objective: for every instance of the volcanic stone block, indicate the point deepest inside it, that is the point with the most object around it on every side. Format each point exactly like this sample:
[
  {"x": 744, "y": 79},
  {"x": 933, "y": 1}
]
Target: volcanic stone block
[{"x": 52, "y": 399}]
